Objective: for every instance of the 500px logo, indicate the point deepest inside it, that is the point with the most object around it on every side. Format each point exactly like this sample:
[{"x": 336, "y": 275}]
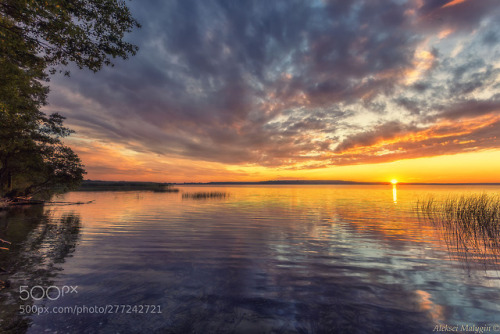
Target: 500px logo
[{"x": 52, "y": 292}]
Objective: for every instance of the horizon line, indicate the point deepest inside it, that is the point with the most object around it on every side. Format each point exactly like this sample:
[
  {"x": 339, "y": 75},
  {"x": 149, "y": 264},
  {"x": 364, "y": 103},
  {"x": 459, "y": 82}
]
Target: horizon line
[{"x": 305, "y": 182}]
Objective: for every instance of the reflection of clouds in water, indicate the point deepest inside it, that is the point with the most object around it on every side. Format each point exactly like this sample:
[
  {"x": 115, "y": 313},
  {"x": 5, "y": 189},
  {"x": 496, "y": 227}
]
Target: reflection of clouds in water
[
  {"x": 435, "y": 311},
  {"x": 288, "y": 259}
]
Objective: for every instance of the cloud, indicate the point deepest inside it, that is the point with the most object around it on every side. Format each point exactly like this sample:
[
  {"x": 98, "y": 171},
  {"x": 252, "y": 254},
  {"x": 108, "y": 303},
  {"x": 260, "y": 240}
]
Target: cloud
[
  {"x": 389, "y": 130},
  {"x": 292, "y": 83},
  {"x": 392, "y": 142},
  {"x": 470, "y": 109}
]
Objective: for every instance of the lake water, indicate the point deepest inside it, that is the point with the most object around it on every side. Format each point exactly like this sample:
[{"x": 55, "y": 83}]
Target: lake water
[{"x": 266, "y": 259}]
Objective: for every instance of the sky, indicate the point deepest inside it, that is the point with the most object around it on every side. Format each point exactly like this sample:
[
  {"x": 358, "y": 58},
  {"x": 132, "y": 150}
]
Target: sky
[{"x": 263, "y": 90}]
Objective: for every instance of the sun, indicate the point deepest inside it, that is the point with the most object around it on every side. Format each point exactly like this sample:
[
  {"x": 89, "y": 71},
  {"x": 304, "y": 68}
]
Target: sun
[{"x": 394, "y": 181}]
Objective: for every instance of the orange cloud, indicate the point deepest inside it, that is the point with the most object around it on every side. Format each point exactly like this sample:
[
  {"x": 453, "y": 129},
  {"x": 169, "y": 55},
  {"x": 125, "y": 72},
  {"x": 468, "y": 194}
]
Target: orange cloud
[
  {"x": 438, "y": 132},
  {"x": 453, "y": 3},
  {"x": 445, "y": 33},
  {"x": 392, "y": 143},
  {"x": 114, "y": 162},
  {"x": 422, "y": 62}
]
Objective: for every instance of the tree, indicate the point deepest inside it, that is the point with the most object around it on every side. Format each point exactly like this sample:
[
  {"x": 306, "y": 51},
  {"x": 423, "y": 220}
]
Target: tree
[
  {"x": 35, "y": 38},
  {"x": 21, "y": 96},
  {"x": 88, "y": 33},
  {"x": 33, "y": 159}
]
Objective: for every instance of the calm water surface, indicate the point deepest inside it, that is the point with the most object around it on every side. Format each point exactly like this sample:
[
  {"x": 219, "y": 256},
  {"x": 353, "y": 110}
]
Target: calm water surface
[{"x": 266, "y": 259}]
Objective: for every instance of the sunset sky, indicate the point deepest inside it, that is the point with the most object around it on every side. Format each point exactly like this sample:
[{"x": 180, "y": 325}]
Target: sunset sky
[{"x": 260, "y": 90}]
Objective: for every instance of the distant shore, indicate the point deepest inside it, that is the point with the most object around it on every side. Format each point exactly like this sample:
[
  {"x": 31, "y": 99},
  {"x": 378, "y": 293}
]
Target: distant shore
[
  {"x": 90, "y": 185},
  {"x": 335, "y": 182}
]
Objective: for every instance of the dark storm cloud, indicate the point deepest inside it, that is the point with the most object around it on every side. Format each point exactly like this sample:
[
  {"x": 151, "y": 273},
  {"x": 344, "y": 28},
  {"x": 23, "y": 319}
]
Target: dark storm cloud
[{"x": 275, "y": 83}]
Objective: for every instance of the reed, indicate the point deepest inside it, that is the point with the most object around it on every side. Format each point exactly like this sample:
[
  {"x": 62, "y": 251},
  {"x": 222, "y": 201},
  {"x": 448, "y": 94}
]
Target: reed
[
  {"x": 476, "y": 212},
  {"x": 206, "y": 194},
  {"x": 166, "y": 189},
  {"x": 471, "y": 223}
]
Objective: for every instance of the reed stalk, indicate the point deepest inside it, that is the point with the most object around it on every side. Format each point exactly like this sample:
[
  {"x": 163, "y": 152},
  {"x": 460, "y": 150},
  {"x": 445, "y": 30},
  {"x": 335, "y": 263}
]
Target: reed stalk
[
  {"x": 205, "y": 195},
  {"x": 471, "y": 223}
]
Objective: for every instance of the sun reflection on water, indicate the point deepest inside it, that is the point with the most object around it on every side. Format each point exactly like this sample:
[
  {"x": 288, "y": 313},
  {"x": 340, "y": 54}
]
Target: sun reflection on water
[{"x": 394, "y": 194}]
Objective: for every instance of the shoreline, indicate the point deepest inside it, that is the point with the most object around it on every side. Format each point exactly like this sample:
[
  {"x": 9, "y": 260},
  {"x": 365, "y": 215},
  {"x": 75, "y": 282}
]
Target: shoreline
[{"x": 7, "y": 203}]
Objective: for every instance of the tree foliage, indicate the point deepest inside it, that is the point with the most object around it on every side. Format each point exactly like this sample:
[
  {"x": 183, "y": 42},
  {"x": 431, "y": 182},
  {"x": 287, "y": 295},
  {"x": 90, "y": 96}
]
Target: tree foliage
[
  {"x": 87, "y": 32},
  {"x": 33, "y": 159},
  {"x": 36, "y": 37}
]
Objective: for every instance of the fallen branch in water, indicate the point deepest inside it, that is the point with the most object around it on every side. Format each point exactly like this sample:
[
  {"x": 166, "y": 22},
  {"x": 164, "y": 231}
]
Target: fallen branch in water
[
  {"x": 6, "y": 203},
  {"x": 69, "y": 203},
  {"x": 4, "y": 242},
  {"x": 20, "y": 201}
]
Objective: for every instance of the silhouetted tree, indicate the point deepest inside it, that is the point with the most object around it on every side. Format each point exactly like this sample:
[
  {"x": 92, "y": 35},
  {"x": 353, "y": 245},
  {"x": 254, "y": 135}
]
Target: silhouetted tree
[{"x": 35, "y": 37}]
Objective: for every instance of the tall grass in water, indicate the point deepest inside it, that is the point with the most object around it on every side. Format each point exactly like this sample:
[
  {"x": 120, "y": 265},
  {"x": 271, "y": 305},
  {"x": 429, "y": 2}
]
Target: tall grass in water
[
  {"x": 166, "y": 189},
  {"x": 471, "y": 224},
  {"x": 205, "y": 195}
]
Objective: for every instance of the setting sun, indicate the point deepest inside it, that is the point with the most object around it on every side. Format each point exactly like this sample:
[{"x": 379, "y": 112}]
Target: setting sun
[{"x": 394, "y": 181}]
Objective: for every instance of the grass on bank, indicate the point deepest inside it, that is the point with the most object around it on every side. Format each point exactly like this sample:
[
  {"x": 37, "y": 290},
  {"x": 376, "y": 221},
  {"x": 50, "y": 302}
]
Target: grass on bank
[
  {"x": 206, "y": 194},
  {"x": 471, "y": 222},
  {"x": 126, "y": 186}
]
